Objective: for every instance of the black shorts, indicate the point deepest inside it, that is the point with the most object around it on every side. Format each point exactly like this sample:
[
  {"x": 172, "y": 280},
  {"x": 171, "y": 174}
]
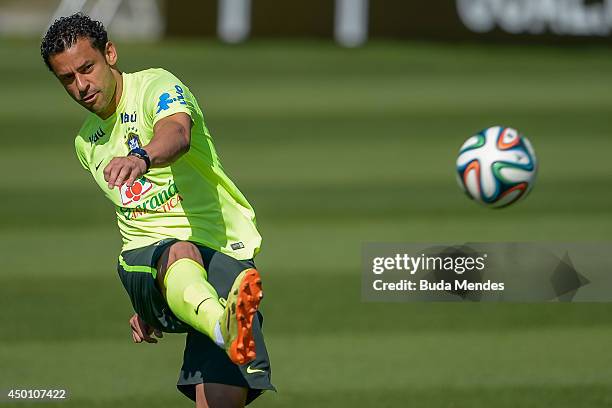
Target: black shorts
[{"x": 203, "y": 360}]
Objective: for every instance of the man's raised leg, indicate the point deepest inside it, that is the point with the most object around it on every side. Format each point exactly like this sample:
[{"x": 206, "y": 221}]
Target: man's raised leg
[{"x": 183, "y": 280}]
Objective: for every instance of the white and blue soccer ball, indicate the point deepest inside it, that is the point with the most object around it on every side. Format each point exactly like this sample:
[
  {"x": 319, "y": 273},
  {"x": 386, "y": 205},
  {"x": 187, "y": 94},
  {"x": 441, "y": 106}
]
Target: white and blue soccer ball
[{"x": 497, "y": 167}]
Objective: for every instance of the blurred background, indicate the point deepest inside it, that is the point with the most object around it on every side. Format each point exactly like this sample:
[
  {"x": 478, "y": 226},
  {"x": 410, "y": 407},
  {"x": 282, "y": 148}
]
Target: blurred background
[{"x": 340, "y": 121}]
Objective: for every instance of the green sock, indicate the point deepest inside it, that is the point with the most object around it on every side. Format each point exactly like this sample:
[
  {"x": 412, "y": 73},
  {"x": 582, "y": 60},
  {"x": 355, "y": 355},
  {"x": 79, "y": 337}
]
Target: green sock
[{"x": 192, "y": 298}]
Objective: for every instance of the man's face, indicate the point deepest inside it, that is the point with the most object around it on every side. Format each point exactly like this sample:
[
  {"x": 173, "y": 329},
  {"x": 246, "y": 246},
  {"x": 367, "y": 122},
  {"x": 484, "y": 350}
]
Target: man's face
[{"x": 86, "y": 75}]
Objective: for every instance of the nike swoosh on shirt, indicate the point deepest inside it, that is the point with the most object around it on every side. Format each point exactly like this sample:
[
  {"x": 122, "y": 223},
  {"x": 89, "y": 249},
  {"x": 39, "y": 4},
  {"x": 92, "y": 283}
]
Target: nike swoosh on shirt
[
  {"x": 99, "y": 164},
  {"x": 250, "y": 370}
]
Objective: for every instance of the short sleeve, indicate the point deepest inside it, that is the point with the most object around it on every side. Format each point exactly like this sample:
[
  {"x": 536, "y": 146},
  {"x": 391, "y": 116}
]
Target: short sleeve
[
  {"x": 165, "y": 95},
  {"x": 80, "y": 154}
]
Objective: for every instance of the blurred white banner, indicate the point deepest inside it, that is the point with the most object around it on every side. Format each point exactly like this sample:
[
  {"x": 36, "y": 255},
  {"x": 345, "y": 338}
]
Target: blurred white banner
[
  {"x": 562, "y": 17},
  {"x": 129, "y": 19}
]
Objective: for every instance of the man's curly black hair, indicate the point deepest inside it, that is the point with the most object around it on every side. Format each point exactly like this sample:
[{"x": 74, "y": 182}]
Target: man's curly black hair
[{"x": 65, "y": 31}]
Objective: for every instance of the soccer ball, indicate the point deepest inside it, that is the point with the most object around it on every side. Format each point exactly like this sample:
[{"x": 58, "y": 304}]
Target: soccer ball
[{"x": 496, "y": 167}]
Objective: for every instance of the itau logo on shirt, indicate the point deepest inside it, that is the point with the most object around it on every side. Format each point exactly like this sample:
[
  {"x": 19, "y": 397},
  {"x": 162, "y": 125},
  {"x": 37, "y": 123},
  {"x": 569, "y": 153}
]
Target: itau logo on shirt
[{"x": 133, "y": 194}]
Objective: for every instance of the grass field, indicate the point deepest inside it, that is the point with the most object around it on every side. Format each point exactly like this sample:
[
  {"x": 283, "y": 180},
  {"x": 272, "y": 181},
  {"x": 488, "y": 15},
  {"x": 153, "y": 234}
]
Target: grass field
[{"x": 334, "y": 148}]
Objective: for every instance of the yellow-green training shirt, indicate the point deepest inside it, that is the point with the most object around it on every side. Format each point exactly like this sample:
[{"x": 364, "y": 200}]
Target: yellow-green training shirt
[{"x": 192, "y": 199}]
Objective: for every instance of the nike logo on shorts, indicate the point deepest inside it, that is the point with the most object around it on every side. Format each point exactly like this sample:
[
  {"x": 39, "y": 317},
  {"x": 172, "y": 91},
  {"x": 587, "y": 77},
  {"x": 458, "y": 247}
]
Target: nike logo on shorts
[{"x": 250, "y": 370}]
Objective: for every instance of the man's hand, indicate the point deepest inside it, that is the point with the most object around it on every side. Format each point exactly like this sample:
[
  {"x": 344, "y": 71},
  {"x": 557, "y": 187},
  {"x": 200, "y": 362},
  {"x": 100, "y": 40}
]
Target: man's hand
[
  {"x": 171, "y": 139},
  {"x": 142, "y": 331},
  {"x": 124, "y": 170}
]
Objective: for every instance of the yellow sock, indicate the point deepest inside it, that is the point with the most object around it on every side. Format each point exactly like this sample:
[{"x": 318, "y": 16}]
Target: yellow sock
[{"x": 192, "y": 298}]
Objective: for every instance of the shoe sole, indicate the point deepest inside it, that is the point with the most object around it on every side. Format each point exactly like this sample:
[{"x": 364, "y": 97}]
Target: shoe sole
[{"x": 250, "y": 293}]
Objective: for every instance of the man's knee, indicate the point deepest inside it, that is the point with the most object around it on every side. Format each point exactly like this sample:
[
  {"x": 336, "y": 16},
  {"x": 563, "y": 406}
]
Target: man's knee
[
  {"x": 176, "y": 251},
  {"x": 183, "y": 249}
]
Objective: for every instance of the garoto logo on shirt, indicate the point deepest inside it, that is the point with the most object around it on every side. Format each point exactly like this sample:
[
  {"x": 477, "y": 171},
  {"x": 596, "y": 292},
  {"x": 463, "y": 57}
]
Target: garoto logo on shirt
[
  {"x": 133, "y": 194},
  {"x": 161, "y": 200},
  {"x": 166, "y": 99}
]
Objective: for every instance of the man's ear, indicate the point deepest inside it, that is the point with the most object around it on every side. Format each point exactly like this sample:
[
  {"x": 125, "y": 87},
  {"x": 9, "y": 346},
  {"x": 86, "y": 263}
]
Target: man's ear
[{"x": 110, "y": 53}]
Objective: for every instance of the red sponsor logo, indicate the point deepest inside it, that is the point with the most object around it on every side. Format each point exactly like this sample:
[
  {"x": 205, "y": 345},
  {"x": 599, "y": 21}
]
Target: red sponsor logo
[
  {"x": 133, "y": 194},
  {"x": 162, "y": 200}
]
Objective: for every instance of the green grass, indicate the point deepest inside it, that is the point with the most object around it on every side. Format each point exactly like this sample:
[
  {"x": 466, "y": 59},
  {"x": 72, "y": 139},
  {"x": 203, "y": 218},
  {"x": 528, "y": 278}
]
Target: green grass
[{"x": 334, "y": 148}]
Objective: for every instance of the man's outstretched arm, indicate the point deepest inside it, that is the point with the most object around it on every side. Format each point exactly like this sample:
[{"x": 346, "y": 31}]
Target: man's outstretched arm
[{"x": 171, "y": 139}]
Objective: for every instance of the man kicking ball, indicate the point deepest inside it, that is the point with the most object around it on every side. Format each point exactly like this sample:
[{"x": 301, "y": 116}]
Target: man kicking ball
[{"x": 189, "y": 234}]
